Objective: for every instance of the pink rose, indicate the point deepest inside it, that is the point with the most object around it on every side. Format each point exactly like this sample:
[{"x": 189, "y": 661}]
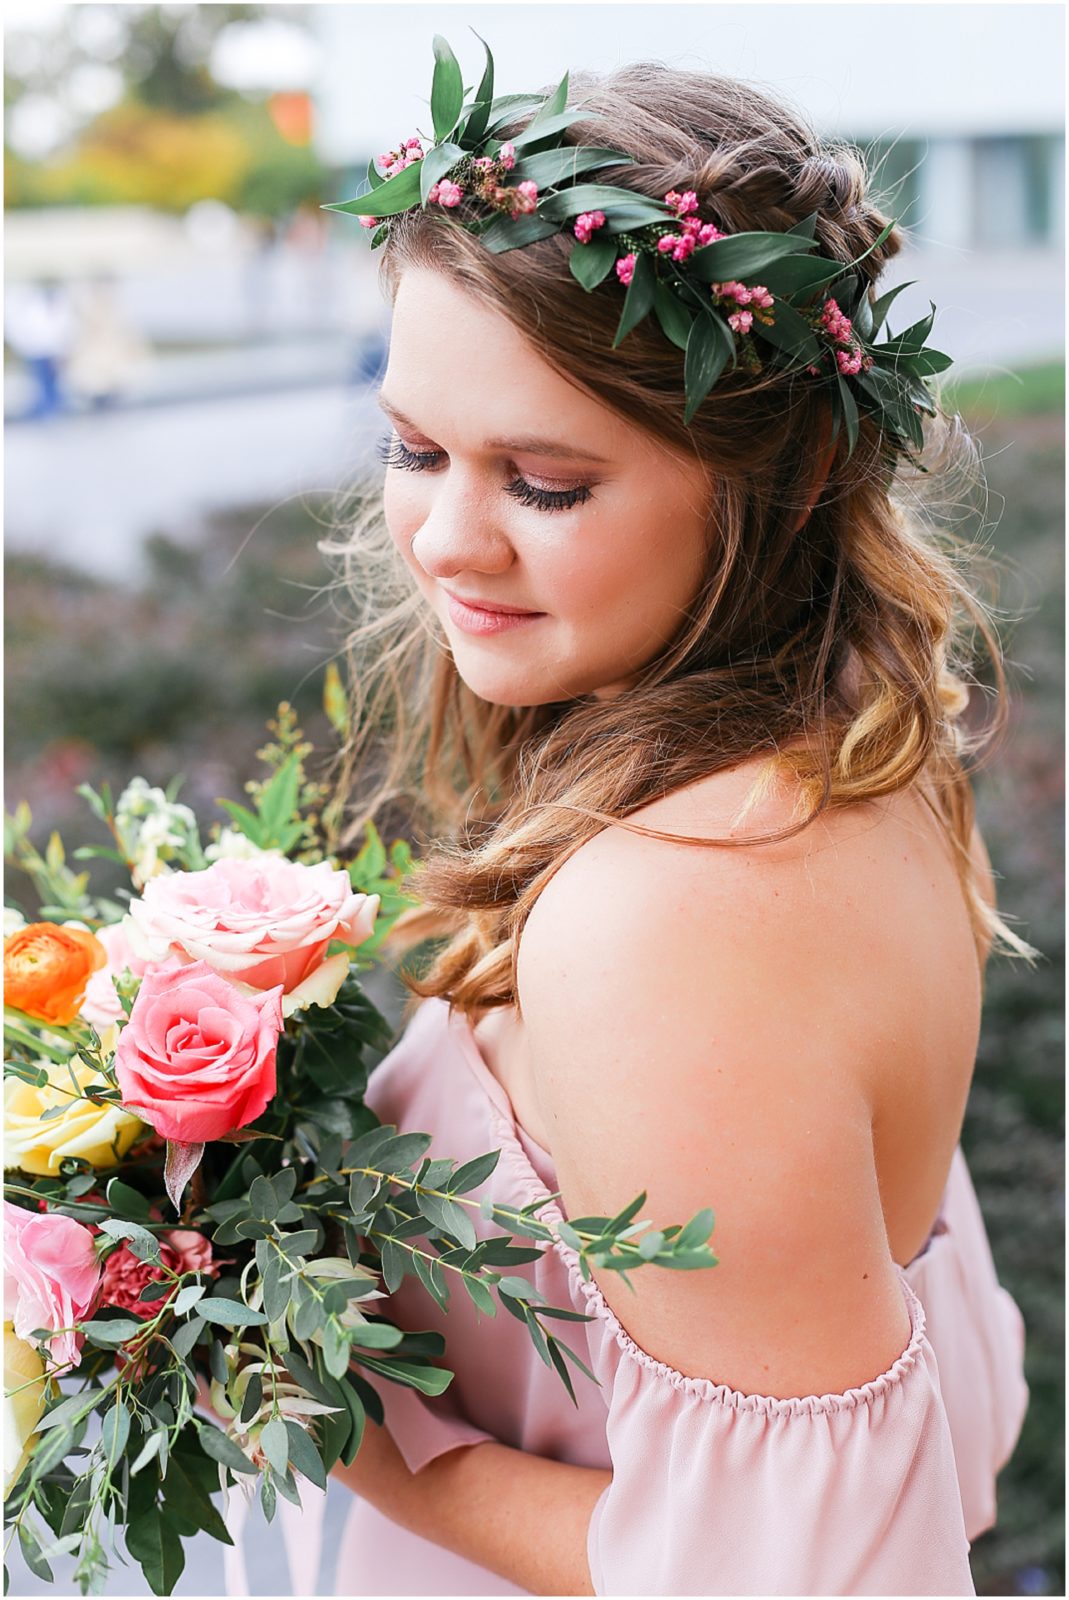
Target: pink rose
[
  {"x": 52, "y": 1277},
  {"x": 101, "y": 1005},
  {"x": 261, "y": 922},
  {"x": 124, "y": 1276},
  {"x": 197, "y": 1057}
]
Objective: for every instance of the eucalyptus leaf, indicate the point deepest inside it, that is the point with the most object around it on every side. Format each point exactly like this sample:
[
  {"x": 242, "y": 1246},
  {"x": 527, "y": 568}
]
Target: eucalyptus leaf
[
  {"x": 274, "y": 1441},
  {"x": 188, "y": 1296},
  {"x": 359, "y": 1420},
  {"x": 474, "y": 1172},
  {"x": 427, "y": 1379},
  {"x": 115, "y": 1431},
  {"x": 276, "y": 1288},
  {"x": 303, "y": 1454},
  {"x": 215, "y": 1443},
  {"x": 254, "y": 1395},
  {"x": 230, "y": 1313},
  {"x": 149, "y": 1450}
]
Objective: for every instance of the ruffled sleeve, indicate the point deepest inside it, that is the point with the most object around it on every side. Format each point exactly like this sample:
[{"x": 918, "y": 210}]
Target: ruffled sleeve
[
  {"x": 715, "y": 1492},
  {"x": 424, "y": 1428}
]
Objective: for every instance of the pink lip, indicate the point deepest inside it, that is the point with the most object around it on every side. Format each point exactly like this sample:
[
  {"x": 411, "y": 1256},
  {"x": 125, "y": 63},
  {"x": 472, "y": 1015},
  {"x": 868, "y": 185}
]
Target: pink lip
[{"x": 477, "y": 619}]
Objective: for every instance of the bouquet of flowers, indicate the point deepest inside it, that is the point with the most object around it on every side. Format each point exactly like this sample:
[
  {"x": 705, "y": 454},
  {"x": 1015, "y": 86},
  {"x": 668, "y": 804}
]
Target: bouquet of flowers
[{"x": 195, "y": 1187}]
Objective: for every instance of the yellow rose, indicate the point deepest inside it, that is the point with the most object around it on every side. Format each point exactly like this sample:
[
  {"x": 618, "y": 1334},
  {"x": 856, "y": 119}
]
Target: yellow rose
[
  {"x": 23, "y": 1407},
  {"x": 81, "y": 1129}
]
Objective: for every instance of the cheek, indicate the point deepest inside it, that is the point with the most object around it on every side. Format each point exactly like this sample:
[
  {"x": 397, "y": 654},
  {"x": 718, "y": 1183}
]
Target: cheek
[{"x": 401, "y": 500}]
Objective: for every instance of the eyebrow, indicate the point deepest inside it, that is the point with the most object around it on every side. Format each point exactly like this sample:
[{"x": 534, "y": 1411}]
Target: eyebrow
[{"x": 522, "y": 442}]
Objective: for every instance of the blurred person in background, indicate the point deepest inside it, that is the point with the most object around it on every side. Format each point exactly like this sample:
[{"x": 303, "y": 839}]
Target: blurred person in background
[
  {"x": 107, "y": 352},
  {"x": 39, "y": 327}
]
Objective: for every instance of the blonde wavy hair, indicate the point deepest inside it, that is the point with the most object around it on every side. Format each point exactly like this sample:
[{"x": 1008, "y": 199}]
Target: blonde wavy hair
[{"x": 854, "y": 634}]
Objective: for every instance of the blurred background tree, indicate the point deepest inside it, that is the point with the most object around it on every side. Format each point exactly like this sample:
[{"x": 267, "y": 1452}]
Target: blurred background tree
[{"x": 174, "y": 134}]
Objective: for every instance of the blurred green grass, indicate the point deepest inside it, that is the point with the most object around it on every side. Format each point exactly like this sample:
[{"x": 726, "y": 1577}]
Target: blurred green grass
[
  {"x": 1002, "y": 393},
  {"x": 181, "y": 676}
]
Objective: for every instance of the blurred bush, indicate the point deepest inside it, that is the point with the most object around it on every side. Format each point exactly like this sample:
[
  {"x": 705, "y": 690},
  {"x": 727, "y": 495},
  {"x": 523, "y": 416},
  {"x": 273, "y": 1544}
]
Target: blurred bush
[{"x": 135, "y": 154}]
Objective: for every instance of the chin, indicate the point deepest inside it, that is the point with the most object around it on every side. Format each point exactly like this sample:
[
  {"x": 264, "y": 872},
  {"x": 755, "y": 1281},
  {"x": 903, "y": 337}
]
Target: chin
[{"x": 500, "y": 687}]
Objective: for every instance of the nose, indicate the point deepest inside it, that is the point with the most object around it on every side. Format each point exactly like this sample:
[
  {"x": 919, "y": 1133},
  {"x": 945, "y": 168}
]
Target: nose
[{"x": 459, "y": 532}]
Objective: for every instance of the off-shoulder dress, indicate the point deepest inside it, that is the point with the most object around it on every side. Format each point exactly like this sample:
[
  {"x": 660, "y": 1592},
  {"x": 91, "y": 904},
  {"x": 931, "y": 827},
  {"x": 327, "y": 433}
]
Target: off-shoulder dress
[{"x": 876, "y": 1490}]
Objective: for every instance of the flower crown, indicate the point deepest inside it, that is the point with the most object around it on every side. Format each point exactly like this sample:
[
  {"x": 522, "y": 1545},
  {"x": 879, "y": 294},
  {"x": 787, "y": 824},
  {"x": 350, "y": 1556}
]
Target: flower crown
[{"x": 806, "y": 314}]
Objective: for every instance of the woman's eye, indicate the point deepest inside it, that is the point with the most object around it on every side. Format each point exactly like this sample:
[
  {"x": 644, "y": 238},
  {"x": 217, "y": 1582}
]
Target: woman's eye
[{"x": 396, "y": 454}]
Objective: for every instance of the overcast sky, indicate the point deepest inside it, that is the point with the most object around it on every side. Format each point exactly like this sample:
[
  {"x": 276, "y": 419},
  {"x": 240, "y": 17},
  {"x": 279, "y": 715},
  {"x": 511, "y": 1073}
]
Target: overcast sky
[{"x": 857, "y": 68}]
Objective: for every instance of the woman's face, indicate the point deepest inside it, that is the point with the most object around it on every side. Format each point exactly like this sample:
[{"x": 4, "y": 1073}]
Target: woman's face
[{"x": 509, "y": 486}]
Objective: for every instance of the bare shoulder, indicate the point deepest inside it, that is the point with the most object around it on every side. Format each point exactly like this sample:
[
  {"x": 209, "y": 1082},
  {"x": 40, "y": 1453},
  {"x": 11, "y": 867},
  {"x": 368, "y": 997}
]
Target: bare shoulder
[
  {"x": 695, "y": 1019},
  {"x": 847, "y": 875}
]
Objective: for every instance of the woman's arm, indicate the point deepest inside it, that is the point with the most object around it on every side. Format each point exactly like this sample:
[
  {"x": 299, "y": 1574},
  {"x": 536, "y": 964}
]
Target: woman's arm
[{"x": 522, "y": 1516}]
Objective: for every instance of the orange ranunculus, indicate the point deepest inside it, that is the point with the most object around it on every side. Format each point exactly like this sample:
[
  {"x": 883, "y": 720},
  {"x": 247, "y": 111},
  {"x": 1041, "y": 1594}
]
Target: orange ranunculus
[{"x": 47, "y": 967}]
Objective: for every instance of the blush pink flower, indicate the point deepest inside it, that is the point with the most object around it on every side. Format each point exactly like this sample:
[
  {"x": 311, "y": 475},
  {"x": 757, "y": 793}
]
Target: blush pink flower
[
  {"x": 625, "y": 267},
  {"x": 51, "y": 1280},
  {"x": 124, "y": 1276},
  {"x": 261, "y": 922},
  {"x": 101, "y": 1005},
  {"x": 197, "y": 1057}
]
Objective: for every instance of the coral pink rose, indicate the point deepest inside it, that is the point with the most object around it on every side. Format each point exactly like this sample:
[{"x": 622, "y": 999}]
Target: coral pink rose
[
  {"x": 52, "y": 1277},
  {"x": 102, "y": 1005},
  {"x": 124, "y": 1276},
  {"x": 261, "y": 922},
  {"x": 197, "y": 1057}
]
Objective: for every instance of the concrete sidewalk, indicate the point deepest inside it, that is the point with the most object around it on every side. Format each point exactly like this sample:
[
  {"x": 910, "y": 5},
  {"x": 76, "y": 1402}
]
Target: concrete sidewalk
[{"x": 173, "y": 377}]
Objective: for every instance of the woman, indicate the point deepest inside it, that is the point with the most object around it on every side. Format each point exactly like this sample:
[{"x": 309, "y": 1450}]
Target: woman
[{"x": 702, "y": 842}]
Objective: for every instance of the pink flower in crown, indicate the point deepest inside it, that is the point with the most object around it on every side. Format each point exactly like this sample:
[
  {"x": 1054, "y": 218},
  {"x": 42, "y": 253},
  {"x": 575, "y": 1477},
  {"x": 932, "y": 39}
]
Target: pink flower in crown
[
  {"x": 835, "y": 323},
  {"x": 733, "y": 291},
  {"x": 684, "y": 247},
  {"x": 625, "y": 267},
  {"x": 507, "y": 155},
  {"x": 368, "y": 222},
  {"x": 741, "y": 321},
  {"x": 682, "y": 203},
  {"x": 484, "y": 163},
  {"x": 527, "y": 196},
  {"x": 585, "y": 224},
  {"x": 708, "y": 234},
  {"x": 849, "y": 362},
  {"x": 446, "y": 192}
]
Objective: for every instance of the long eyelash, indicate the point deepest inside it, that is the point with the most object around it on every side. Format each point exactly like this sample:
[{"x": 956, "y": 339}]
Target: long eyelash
[{"x": 396, "y": 454}]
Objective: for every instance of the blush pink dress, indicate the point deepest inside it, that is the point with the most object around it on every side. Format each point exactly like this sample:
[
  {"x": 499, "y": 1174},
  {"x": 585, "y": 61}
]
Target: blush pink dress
[{"x": 876, "y": 1490}]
